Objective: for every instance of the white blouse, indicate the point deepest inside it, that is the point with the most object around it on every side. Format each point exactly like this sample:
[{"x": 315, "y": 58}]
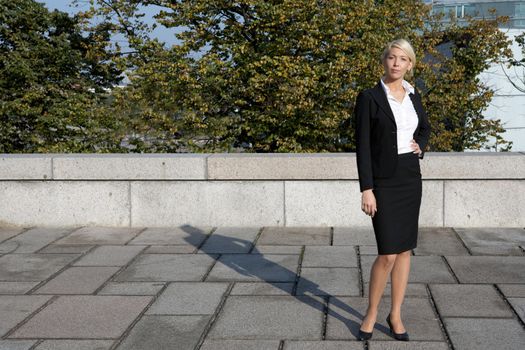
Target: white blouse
[{"x": 405, "y": 116}]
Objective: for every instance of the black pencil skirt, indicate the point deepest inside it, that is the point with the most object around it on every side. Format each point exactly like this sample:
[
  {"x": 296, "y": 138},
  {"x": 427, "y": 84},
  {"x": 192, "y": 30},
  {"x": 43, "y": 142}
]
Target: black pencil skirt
[{"x": 398, "y": 200}]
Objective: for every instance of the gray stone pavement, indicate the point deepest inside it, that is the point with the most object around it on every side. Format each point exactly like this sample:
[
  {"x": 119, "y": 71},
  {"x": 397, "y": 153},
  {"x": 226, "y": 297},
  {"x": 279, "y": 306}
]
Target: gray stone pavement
[{"x": 260, "y": 288}]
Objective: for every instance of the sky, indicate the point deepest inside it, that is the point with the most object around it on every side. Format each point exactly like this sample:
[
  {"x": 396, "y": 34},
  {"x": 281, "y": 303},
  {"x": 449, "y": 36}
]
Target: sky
[{"x": 166, "y": 35}]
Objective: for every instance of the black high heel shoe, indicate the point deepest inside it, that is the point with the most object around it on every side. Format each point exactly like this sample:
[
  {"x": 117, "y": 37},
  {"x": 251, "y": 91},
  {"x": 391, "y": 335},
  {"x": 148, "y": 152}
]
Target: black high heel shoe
[
  {"x": 364, "y": 335},
  {"x": 397, "y": 336}
]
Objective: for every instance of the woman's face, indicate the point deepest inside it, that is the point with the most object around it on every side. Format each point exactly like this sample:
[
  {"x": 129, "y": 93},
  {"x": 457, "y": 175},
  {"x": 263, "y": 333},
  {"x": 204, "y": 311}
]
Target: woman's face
[{"x": 396, "y": 64}]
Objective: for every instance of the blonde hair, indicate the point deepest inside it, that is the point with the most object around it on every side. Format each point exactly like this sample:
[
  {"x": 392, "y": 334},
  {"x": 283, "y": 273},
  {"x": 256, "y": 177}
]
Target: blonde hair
[{"x": 404, "y": 45}]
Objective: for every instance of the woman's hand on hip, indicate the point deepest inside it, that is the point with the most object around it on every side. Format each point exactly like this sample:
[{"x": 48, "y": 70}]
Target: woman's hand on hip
[
  {"x": 415, "y": 147},
  {"x": 368, "y": 202}
]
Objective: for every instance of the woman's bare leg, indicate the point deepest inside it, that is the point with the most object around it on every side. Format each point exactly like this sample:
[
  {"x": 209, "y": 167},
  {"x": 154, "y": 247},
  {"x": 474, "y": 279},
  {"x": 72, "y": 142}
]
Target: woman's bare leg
[
  {"x": 399, "y": 280},
  {"x": 381, "y": 268}
]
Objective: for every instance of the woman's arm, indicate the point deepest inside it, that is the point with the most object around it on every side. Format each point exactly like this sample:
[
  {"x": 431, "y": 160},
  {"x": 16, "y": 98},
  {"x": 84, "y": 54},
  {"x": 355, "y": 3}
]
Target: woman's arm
[
  {"x": 363, "y": 107},
  {"x": 424, "y": 129}
]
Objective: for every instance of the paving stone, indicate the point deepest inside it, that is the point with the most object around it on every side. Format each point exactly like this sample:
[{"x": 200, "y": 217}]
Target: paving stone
[
  {"x": 439, "y": 241},
  {"x": 519, "y": 306},
  {"x": 411, "y": 345},
  {"x": 502, "y": 249},
  {"x": 78, "y": 280},
  {"x": 412, "y": 290},
  {"x": 488, "y": 269},
  {"x": 167, "y": 267},
  {"x": 165, "y": 333},
  {"x": 329, "y": 281},
  {"x": 75, "y": 345},
  {"x": 240, "y": 345},
  {"x": 14, "y": 309},
  {"x": 32, "y": 240},
  {"x": 255, "y": 267},
  {"x": 329, "y": 256},
  {"x": 230, "y": 240},
  {"x": 32, "y": 267},
  {"x": 368, "y": 250},
  {"x": 187, "y": 298},
  {"x": 262, "y": 288},
  {"x": 479, "y": 236},
  {"x": 485, "y": 333},
  {"x": 16, "y": 287},
  {"x": 423, "y": 269},
  {"x": 469, "y": 300},
  {"x": 275, "y": 249},
  {"x": 170, "y": 249},
  {"x": 322, "y": 345},
  {"x": 295, "y": 236},
  {"x": 131, "y": 288},
  {"x": 9, "y": 232},
  {"x": 100, "y": 235},
  {"x": 354, "y": 236},
  {"x": 84, "y": 317},
  {"x": 16, "y": 344},
  {"x": 512, "y": 290},
  {"x": 109, "y": 256},
  {"x": 66, "y": 248},
  {"x": 182, "y": 235},
  {"x": 269, "y": 317},
  {"x": 346, "y": 314}
]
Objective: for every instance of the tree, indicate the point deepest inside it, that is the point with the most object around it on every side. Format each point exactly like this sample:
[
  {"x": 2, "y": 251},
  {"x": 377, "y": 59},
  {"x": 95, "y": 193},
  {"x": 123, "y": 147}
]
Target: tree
[
  {"x": 53, "y": 77},
  {"x": 518, "y": 83}
]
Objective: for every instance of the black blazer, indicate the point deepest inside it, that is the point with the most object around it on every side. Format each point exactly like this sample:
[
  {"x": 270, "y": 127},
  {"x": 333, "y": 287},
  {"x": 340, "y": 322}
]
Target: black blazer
[{"x": 376, "y": 138}]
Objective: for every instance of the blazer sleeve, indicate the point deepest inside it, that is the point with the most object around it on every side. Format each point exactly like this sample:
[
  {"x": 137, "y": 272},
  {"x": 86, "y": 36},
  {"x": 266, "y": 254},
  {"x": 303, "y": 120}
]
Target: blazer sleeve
[
  {"x": 363, "y": 108},
  {"x": 424, "y": 129}
]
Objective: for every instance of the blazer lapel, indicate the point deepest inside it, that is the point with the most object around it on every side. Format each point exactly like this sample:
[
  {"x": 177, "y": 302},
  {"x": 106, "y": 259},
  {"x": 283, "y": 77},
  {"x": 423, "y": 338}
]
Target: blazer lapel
[
  {"x": 380, "y": 96},
  {"x": 417, "y": 106}
]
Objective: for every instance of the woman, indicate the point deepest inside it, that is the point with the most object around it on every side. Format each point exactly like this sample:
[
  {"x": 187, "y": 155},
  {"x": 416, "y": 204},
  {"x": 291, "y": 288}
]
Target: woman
[{"x": 392, "y": 130}]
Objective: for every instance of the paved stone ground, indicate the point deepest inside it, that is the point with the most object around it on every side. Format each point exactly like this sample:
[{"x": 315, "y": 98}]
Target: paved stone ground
[{"x": 252, "y": 288}]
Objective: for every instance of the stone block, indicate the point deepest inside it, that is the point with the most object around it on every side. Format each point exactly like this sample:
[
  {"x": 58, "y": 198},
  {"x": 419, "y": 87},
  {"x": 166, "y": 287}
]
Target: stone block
[
  {"x": 181, "y": 235},
  {"x": 75, "y": 345},
  {"x": 412, "y": 345},
  {"x": 84, "y": 317},
  {"x": 64, "y": 203},
  {"x": 439, "y": 241},
  {"x": 512, "y": 290},
  {"x": 16, "y": 344},
  {"x": 255, "y": 267},
  {"x": 269, "y": 317},
  {"x": 322, "y": 345},
  {"x": 133, "y": 166},
  {"x": 329, "y": 281},
  {"x": 412, "y": 290},
  {"x": 32, "y": 240},
  {"x": 485, "y": 333},
  {"x": 165, "y": 333},
  {"x": 32, "y": 267},
  {"x": 276, "y": 249},
  {"x": 470, "y": 203},
  {"x": 262, "y": 288},
  {"x": 469, "y": 300},
  {"x": 473, "y": 165},
  {"x": 109, "y": 256},
  {"x": 78, "y": 280},
  {"x": 295, "y": 236},
  {"x": 354, "y": 235},
  {"x": 432, "y": 210},
  {"x": 167, "y": 267},
  {"x": 131, "y": 288},
  {"x": 186, "y": 298},
  {"x": 215, "y": 203},
  {"x": 15, "y": 308},
  {"x": 240, "y": 345},
  {"x": 25, "y": 167},
  {"x": 170, "y": 249},
  {"x": 16, "y": 287},
  {"x": 9, "y": 232},
  {"x": 282, "y": 166},
  {"x": 324, "y": 203},
  {"x": 329, "y": 256},
  {"x": 518, "y": 304},
  {"x": 488, "y": 269},
  {"x": 227, "y": 240},
  {"x": 100, "y": 235}
]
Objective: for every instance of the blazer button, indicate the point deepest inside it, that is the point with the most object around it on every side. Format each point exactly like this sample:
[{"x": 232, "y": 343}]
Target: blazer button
[{"x": 394, "y": 146}]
